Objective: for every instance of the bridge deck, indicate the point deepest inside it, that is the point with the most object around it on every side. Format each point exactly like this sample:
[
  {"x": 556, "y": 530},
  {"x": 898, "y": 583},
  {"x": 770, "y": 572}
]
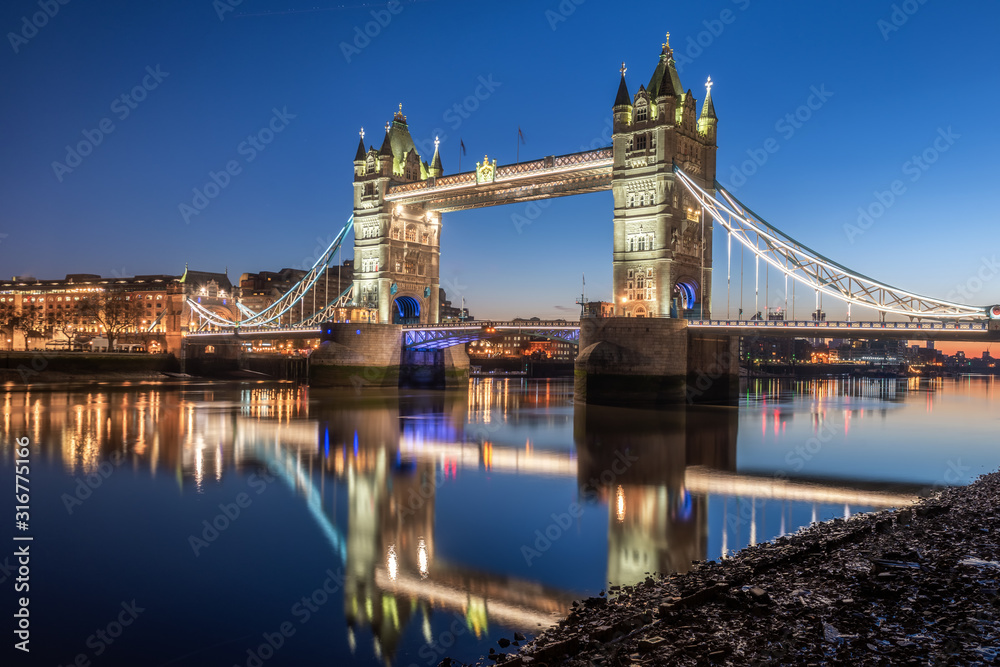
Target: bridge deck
[
  {"x": 552, "y": 176},
  {"x": 423, "y": 335}
]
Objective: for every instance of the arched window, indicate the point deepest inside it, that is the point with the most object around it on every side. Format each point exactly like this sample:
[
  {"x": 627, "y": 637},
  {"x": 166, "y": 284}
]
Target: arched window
[
  {"x": 411, "y": 234},
  {"x": 641, "y": 113}
]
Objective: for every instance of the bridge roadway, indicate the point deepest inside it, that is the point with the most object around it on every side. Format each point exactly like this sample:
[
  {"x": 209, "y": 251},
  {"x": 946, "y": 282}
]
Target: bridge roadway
[{"x": 438, "y": 336}]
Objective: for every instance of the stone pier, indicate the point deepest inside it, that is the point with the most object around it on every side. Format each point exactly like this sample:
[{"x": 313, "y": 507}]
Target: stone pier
[
  {"x": 361, "y": 355},
  {"x": 652, "y": 361}
]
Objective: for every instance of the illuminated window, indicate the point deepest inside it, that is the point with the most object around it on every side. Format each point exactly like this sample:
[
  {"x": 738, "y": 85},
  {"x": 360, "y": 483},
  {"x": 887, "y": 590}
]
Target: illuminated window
[
  {"x": 641, "y": 113},
  {"x": 411, "y": 234}
]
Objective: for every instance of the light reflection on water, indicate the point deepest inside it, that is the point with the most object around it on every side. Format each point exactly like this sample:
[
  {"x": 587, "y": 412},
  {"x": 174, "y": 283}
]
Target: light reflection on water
[{"x": 456, "y": 517}]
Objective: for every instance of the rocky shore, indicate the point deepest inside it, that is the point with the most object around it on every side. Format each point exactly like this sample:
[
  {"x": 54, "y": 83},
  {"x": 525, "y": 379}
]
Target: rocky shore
[{"x": 911, "y": 586}]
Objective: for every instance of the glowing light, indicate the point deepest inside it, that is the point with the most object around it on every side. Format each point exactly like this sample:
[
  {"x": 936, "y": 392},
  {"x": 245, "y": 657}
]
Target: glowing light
[
  {"x": 620, "y": 504},
  {"x": 391, "y": 564},
  {"x": 422, "y": 558}
]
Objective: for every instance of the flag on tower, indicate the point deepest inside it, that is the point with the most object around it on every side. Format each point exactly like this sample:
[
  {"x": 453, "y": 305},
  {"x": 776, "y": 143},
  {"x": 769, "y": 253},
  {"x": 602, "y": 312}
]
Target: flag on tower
[
  {"x": 461, "y": 143},
  {"x": 520, "y": 134}
]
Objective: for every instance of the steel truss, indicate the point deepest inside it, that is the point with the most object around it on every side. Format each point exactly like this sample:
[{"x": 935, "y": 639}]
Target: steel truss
[
  {"x": 271, "y": 315},
  {"x": 813, "y": 269}
]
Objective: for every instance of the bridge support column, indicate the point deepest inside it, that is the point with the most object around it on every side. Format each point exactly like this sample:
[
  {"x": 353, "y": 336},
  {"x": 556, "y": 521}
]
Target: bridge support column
[
  {"x": 651, "y": 361},
  {"x": 360, "y": 355},
  {"x": 211, "y": 359},
  {"x": 435, "y": 369},
  {"x": 357, "y": 355}
]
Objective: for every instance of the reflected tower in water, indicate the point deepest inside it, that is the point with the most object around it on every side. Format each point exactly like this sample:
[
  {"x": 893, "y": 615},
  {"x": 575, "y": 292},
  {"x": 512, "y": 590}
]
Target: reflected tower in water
[{"x": 636, "y": 461}]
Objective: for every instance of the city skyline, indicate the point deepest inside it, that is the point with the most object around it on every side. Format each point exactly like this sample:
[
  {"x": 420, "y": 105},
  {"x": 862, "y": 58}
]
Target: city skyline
[{"x": 840, "y": 146}]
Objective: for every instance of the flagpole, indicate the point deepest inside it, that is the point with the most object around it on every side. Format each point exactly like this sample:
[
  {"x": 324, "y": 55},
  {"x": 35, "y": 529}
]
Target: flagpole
[{"x": 518, "y": 140}]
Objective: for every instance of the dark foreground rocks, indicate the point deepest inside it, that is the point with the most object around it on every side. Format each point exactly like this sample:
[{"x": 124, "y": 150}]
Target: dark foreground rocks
[{"x": 913, "y": 586}]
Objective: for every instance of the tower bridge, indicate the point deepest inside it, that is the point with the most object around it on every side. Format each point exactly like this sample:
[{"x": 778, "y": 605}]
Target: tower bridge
[{"x": 661, "y": 170}]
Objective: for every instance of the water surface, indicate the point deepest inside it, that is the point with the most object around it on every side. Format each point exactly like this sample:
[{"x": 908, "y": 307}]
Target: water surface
[{"x": 271, "y": 524}]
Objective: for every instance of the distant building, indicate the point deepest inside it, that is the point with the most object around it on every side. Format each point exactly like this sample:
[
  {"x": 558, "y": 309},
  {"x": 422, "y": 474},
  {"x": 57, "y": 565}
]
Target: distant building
[
  {"x": 260, "y": 290},
  {"x": 597, "y": 309},
  {"x": 159, "y": 320},
  {"x": 448, "y": 312}
]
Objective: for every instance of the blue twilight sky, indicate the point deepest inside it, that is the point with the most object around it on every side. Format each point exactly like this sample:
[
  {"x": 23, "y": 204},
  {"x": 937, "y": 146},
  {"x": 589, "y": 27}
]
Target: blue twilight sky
[{"x": 894, "y": 85}]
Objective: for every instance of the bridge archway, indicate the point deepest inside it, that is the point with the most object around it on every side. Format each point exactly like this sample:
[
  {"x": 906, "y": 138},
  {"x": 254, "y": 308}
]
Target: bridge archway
[
  {"x": 405, "y": 310},
  {"x": 685, "y": 300}
]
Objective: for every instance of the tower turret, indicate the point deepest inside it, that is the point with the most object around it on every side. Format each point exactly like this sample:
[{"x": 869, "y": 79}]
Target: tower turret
[
  {"x": 623, "y": 103},
  {"x": 436, "y": 170},
  {"x": 708, "y": 119}
]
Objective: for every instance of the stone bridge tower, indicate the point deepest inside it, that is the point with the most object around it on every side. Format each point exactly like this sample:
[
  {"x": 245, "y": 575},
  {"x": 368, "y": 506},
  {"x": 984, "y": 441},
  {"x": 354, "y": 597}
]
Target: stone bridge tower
[
  {"x": 662, "y": 241},
  {"x": 396, "y": 248}
]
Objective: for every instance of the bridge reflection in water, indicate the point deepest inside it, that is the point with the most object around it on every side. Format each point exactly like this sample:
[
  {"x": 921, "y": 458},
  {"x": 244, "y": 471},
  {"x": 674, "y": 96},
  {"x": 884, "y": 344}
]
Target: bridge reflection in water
[{"x": 654, "y": 473}]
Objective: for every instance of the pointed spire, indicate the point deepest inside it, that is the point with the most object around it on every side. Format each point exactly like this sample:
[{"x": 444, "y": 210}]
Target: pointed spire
[
  {"x": 360, "y": 155},
  {"x": 665, "y": 81},
  {"x": 386, "y": 145},
  {"x": 708, "y": 109},
  {"x": 436, "y": 168},
  {"x": 623, "y": 99}
]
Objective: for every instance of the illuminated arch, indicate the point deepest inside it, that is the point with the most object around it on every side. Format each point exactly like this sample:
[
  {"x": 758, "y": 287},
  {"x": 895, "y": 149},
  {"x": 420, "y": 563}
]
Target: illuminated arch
[{"x": 405, "y": 310}]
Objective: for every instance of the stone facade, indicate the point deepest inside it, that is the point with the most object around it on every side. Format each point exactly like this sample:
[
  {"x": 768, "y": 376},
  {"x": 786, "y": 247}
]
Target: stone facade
[
  {"x": 662, "y": 241},
  {"x": 397, "y": 248}
]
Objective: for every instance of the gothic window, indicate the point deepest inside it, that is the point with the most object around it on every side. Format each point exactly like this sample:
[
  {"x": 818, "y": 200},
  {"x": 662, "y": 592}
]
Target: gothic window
[
  {"x": 411, "y": 234},
  {"x": 640, "y": 282},
  {"x": 640, "y": 142},
  {"x": 423, "y": 238},
  {"x": 630, "y": 272},
  {"x": 369, "y": 189},
  {"x": 631, "y": 200},
  {"x": 409, "y": 267},
  {"x": 630, "y": 143},
  {"x": 395, "y": 233},
  {"x": 641, "y": 114},
  {"x": 649, "y": 272},
  {"x": 652, "y": 140},
  {"x": 399, "y": 266},
  {"x": 421, "y": 269}
]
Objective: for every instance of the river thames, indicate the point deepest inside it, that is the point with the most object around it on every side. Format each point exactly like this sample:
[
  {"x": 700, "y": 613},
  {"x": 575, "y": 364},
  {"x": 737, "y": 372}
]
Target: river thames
[{"x": 186, "y": 523}]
